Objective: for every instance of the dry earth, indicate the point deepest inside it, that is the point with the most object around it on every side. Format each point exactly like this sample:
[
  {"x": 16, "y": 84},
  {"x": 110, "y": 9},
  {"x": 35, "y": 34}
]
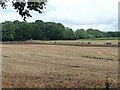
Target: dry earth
[{"x": 41, "y": 66}]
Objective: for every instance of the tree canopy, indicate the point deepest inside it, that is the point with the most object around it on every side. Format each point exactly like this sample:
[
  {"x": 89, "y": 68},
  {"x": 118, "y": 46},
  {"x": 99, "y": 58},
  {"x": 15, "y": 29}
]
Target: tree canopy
[
  {"x": 24, "y": 7},
  {"x": 39, "y": 30}
]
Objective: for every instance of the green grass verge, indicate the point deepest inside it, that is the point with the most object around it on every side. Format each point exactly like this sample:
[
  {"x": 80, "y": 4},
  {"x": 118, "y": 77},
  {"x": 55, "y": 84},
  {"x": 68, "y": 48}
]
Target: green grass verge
[{"x": 111, "y": 38}]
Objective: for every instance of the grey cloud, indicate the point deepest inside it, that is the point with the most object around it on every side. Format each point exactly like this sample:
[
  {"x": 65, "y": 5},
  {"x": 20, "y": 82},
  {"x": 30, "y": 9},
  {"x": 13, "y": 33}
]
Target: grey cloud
[{"x": 101, "y": 14}]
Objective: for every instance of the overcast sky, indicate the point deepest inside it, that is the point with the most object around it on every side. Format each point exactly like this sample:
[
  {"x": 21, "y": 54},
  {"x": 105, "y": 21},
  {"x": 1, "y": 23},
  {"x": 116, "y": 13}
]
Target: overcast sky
[{"x": 76, "y": 14}]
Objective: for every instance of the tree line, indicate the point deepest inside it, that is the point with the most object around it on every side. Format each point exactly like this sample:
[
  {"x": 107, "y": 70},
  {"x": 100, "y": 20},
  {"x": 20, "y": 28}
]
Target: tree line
[{"x": 39, "y": 30}]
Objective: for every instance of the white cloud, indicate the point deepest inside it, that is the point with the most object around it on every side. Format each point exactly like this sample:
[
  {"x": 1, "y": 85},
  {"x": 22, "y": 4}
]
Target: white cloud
[{"x": 101, "y": 14}]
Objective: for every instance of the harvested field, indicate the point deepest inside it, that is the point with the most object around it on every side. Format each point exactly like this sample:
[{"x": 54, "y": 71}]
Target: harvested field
[{"x": 55, "y": 66}]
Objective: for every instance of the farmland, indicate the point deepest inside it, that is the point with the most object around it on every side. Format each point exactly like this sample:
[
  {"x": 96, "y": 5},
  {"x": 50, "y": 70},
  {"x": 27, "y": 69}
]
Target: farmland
[{"x": 55, "y": 66}]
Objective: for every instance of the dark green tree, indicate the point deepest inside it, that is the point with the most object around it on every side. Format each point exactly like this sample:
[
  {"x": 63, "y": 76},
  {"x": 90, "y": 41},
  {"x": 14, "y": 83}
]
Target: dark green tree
[
  {"x": 23, "y": 7},
  {"x": 90, "y": 36},
  {"x": 69, "y": 34},
  {"x": 95, "y": 33},
  {"x": 81, "y": 34},
  {"x": 62, "y": 29},
  {"x": 39, "y": 30},
  {"x": 54, "y": 31},
  {"x": 8, "y": 31},
  {"x": 112, "y": 34},
  {"x": 23, "y": 31}
]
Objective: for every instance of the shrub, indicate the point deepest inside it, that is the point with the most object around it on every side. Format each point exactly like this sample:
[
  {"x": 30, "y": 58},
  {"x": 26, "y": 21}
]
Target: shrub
[
  {"x": 108, "y": 43},
  {"x": 89, "y": 42}
]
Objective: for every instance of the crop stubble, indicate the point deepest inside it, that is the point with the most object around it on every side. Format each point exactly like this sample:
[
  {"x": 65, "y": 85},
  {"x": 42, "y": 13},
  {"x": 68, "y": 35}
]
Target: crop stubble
[{"x": 40, "y": 66}]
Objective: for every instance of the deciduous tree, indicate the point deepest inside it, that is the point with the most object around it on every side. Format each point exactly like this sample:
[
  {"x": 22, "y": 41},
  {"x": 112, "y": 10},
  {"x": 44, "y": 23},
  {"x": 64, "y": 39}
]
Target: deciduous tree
[{"x": 23, "y": 7}]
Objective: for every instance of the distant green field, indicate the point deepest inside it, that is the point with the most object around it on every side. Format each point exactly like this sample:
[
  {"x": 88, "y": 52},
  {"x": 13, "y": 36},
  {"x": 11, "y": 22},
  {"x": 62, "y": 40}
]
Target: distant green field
[{"x": 111, "y": 38}]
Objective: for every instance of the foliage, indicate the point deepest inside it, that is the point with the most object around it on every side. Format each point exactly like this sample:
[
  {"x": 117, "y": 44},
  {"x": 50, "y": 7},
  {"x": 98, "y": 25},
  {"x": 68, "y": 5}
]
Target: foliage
[
  {"x": 23, "y": 7},
  {"x": 112, "y": 34},
  {"x": 96, "y": 33},
  {"x": 23, "y": 31},
  {"x": 39, "y": 30},
  {"x": 90, "y": 36},
  {"x": 69, "y": 34},
  {"x": 81, "y": 34},
  {"x": 8, "y": 31}
]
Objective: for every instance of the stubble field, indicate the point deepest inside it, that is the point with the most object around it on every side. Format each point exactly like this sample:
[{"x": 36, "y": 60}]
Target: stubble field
[{"x": 55, "y": 66}]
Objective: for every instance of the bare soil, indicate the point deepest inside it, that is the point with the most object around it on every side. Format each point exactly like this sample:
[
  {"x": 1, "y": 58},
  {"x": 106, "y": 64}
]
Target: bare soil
[{"x": 57, "y": 66}]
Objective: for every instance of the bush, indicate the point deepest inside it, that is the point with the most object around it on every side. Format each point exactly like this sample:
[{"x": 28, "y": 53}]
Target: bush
[
  {"x": 108, "y": 43},
  {"x": 89, "y": 42}
]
